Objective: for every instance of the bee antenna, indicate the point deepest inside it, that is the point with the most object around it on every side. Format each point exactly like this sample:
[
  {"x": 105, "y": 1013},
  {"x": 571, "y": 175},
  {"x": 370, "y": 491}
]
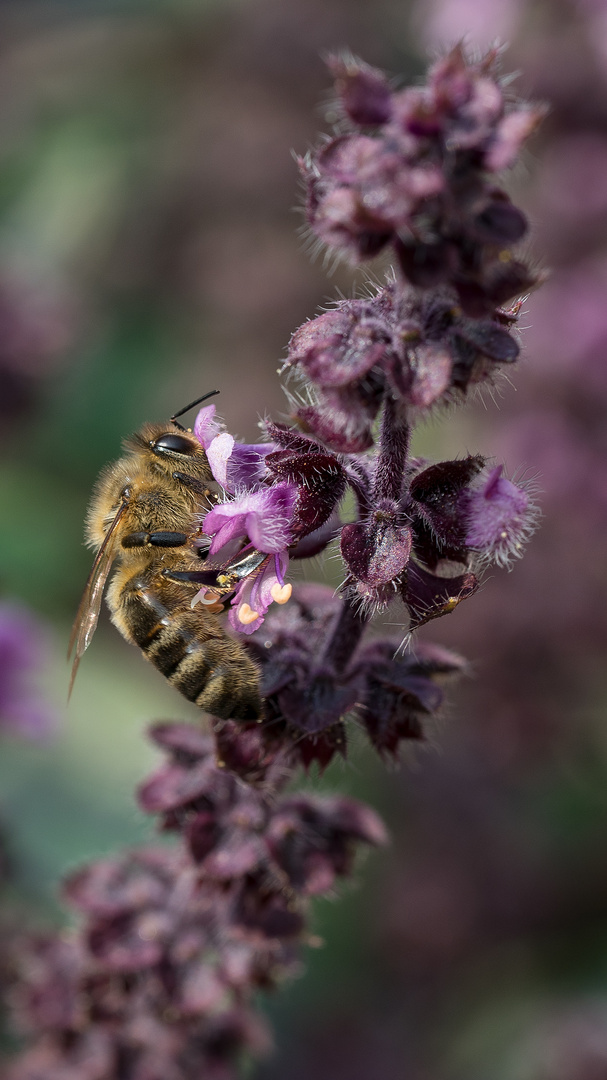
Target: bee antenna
[{"x": 187, "y": 408}]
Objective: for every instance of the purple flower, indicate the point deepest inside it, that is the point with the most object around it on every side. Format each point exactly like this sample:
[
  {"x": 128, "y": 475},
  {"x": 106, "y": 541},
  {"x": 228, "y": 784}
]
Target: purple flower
[
  {"x": 430, "y": 596},
  {"x": 363, "y": 189},
  {"x": 263, "y": 516},
  {"x": 341, "y": 346},
  {"x": 418, "y": 347},
  {"x": 37, "y": 326},
  {"x": 364, "y": 92},
  {"x": 220, "y": 816},
  {"x": 437, "y": 495},
  {"x": 313, "y": 839},
  {"x": 237, "y": 465},
  {"x": 319, "y": 476},
  {"x": 511, "y": 133},
  {"x": 501, "y": 517},
  {"x": 263, "y": 519},
  {"x": 234, "y": 831},
  {"x": 409, "y": 545},
  {"x": 377, "y": 553},
  {"x": 22, "y": 652},
  {"x": 234, "y": 465},
  {"x": 305, "y": 698},
  {"x": 260, "y": 589},
  {"x": 312, "y": 684},
  {"x": 400, "y": 692},
  {"x": 292, "y": 487}
]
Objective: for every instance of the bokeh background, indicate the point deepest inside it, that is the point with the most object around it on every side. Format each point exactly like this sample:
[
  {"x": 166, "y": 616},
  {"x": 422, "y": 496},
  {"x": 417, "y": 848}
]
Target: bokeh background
[{"x": 148, "y": 253}]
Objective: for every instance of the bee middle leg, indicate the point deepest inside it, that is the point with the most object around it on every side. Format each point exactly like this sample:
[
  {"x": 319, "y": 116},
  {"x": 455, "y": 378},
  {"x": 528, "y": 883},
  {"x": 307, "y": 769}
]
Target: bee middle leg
[{"x": 155, "y": 539}]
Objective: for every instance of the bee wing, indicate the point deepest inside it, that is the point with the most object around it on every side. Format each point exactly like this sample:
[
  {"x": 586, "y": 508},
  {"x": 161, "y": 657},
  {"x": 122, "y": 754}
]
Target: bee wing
[{"x": 87, "y": 616}]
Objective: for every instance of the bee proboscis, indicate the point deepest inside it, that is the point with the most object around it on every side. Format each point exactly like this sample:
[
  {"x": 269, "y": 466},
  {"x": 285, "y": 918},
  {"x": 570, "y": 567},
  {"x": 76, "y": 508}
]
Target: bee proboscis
[{"x": 144, "y": 515}]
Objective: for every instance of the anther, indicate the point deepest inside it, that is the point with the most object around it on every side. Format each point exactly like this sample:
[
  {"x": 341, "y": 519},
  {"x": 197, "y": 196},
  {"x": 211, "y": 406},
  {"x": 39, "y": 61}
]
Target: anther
[
  {"x": 246, "y": 616},
  {"x": 281, "y": 593}
]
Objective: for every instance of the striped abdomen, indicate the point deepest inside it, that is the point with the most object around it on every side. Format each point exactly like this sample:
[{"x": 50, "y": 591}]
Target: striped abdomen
[{"x": 189, "y": 647}]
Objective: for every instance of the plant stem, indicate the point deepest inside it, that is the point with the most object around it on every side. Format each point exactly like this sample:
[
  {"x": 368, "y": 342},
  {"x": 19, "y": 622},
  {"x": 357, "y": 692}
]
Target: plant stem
[
  {"x": 393, "y": 451},
  {"x": 346, "y": 635}
]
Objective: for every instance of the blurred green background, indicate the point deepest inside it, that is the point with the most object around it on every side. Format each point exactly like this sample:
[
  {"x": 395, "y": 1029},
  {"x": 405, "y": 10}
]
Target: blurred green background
[{"x": 149, "y": 252}]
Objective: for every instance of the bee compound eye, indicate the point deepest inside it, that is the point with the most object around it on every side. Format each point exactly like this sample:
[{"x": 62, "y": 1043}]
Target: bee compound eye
[{"x": 172, "y": 443}]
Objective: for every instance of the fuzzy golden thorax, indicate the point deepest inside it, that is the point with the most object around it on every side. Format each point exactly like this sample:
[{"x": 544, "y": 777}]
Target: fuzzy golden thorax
[{"x": 165, "y": 479}]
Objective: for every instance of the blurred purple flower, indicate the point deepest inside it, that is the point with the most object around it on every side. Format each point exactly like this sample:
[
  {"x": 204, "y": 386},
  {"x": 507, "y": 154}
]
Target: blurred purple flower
[
  {"x": 157, "y": 982},
  {"x": 23, "y": 651},
  {"x": 37, "y": 324}
]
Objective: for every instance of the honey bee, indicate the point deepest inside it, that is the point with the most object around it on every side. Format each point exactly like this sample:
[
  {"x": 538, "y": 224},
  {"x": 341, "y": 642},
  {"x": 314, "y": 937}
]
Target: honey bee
[{"x": 144, "y": 515}]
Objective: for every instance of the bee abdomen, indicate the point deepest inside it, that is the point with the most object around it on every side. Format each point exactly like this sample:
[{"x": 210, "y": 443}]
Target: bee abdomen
[
  {"x": 166, "y": 648},
  {"x": 201, "y": 661},
  {"x": 232, "y": 690},
  {"x": 216, "y": 674}
]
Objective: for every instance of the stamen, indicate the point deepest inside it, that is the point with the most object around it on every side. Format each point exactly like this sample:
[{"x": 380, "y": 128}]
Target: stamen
[
  {"x": 246, "y": 616},
  {"x": 255, "y": 586},
  {"x": 281, "y": 593},
  {"x": 278, "y": 572}
]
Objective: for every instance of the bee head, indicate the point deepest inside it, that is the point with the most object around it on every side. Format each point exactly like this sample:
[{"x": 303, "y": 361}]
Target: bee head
[
  {"x": 173, "y": 448},
  {"x": 174, "y": 444}
]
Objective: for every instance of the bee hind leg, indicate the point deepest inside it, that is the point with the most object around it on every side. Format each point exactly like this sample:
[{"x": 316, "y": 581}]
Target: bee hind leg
[{"x": 198, "y": 486}]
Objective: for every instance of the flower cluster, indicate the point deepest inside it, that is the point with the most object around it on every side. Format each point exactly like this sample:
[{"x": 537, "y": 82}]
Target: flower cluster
[
  {"x": 415, "y": 346},
  {"x": 418, "y": 172},
  {"x": 419, "y": 533},
  {"x": 415, "y": 169},
  {"x": 157, "y": 981},
  {"x": 317, "y": 669}
]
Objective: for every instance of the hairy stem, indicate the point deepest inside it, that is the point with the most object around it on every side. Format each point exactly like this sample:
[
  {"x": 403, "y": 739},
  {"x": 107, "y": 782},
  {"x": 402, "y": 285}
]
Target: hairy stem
[
  {"x": 346, "y": 635},
  {"x": 393, "y": 450}
]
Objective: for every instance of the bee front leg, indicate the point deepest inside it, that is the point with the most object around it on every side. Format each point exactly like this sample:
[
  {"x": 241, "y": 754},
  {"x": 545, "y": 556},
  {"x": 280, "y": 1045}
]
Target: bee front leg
[{"x": 199, "y": 486}]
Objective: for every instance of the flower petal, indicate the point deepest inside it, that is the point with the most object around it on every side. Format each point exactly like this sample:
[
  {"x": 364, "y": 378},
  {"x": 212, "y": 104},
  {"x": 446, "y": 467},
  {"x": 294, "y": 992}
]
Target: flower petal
[
  {"x": 218, "y": 452},
  {"x": 264, "y": 516},
  {"x": 205, "y": 426}
]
